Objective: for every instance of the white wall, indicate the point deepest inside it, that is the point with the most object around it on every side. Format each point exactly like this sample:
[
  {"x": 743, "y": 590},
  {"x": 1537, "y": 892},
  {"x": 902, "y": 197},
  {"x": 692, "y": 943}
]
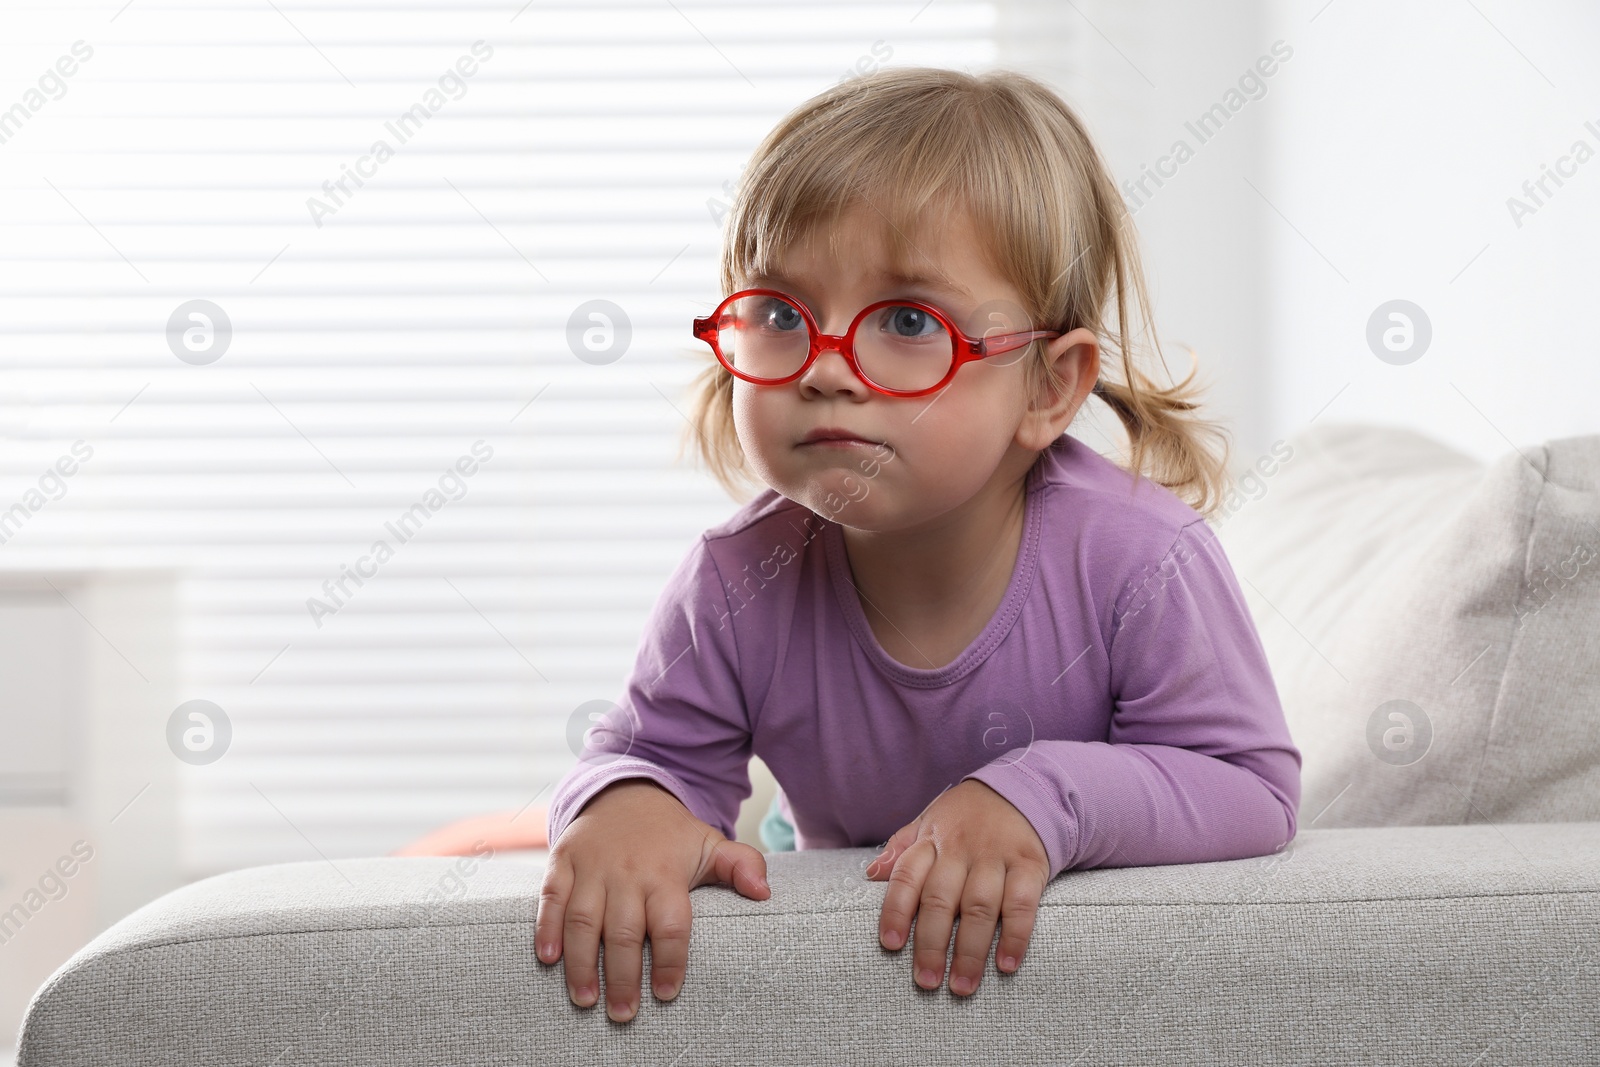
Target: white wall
[
  {"x": 1401, "y": 136},
  {"x": 1375, "y": 166}
]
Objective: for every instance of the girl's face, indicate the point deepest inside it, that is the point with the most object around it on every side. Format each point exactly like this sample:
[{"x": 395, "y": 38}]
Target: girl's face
[{"x": 933, "y": 453}]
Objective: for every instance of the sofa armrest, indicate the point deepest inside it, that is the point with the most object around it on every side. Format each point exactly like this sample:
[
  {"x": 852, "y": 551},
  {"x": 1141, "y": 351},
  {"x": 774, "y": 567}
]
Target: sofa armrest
[{"x": 1373, "y": 945}]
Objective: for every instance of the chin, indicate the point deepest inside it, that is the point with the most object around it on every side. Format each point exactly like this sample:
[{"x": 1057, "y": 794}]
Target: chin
[
  {"x": 861, "y": 506},
  {"x": 840, "y": 492}
]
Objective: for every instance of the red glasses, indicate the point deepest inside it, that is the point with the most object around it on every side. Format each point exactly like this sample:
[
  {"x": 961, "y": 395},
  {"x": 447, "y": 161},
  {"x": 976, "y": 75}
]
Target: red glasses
[{"x": 898, "y": 347}]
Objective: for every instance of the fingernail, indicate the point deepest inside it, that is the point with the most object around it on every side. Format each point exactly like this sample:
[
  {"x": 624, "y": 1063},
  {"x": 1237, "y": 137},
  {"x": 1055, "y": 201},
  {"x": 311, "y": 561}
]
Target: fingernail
[
  {"x": 584, "y": 997},
  {"x": 926, "y": 978},
  {"x": 547, "y": 951},
  {"x": 666, "y": 990},
  {"x": 962, "y": 985},
  {"x": 1009, "y": 963},
  {"x": 892, "y": 939},
  {"x": 621, "y": 1011}
]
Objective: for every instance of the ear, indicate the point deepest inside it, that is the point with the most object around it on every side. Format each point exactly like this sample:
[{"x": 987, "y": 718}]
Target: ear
[{"x": 1076, "y": 356}]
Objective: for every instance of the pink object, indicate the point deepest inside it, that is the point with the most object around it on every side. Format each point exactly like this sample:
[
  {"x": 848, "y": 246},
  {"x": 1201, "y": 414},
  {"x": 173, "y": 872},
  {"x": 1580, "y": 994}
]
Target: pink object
[{"x": 502, "y": 831}]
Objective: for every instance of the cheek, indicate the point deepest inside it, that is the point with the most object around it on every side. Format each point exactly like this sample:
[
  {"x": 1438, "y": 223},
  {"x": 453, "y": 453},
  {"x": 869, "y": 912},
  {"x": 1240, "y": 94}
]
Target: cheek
[
  {"x": 964, "y": 436},
  {"x": 759, "y": 420},
  {"x": 983, "y": 406},
  {"x": 747, "y": 413}
]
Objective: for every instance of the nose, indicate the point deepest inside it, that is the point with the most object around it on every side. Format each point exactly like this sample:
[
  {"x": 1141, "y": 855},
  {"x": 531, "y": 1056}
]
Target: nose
[{"x": 831, "y": 373}]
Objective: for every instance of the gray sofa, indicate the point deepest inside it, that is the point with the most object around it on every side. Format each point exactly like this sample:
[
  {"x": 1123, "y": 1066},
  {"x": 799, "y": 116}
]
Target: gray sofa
[
  {"x": 1440, "y": 904},
  {"x": 1444, "y": 944}
]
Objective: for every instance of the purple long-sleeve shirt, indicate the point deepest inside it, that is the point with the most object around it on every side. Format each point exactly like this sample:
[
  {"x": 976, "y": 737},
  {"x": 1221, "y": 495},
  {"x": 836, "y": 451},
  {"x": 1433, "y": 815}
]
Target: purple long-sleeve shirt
[{"x": 1119, "y": 697}]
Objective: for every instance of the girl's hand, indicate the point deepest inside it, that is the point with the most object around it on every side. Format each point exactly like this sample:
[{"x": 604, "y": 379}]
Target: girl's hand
[
  {"x": 621, "y": 873},
  {"x": 970, "y": 848}
]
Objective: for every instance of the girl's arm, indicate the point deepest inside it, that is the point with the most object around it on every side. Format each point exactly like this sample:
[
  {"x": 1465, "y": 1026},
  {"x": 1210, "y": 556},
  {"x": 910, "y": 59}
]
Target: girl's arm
[
  {"x": 681, "y": 721},
  {"x": 1198, "y": 764}
]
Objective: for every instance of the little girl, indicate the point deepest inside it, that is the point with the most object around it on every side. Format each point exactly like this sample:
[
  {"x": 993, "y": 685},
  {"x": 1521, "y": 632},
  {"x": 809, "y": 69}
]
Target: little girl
[{"x": 947, "y": 626}]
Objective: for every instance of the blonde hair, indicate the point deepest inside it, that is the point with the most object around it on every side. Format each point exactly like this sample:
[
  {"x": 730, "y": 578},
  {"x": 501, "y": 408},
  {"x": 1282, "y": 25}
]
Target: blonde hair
[{"x": 1009, "y": 150}]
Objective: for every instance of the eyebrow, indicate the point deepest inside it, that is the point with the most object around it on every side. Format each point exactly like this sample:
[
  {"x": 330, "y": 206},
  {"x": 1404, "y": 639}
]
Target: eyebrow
[{"x": 912, "y": 278}]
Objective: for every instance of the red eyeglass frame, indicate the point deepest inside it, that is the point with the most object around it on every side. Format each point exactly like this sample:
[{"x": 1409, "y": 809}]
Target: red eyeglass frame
[{"x": 966, "y": 349}]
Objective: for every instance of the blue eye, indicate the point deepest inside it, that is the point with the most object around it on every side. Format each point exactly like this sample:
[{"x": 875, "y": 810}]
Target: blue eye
[
  {"x": 909, "y": 323},
  {"x": 781, "y": 315}
]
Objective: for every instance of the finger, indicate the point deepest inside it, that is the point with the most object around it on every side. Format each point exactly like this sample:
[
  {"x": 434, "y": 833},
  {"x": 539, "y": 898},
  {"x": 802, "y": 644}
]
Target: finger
[
  {"x": 936, "y": 914},
  {"x": 905, "y": 890},
  {"x": 741, "y": 866},
  {"x": 585, "y": 915},
  {"x": 901, "y": 840},
  {"x": 553, "y": 893},
  {"x": 624, "y": 940},
  {"x": 980, "y": 914},
  {"x": 668, "y": 915},
  {"x": 1018, "y": 910}
]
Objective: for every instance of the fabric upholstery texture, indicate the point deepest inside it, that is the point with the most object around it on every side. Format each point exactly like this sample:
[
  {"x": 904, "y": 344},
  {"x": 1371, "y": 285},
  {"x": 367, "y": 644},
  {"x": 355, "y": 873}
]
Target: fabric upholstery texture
[
  {"x": 1396, "y": 945},
  {"x": 1433, "y": 625}
]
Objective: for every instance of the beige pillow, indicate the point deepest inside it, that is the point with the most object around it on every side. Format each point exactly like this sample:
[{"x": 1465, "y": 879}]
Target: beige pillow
[{"x": 1432, "y": 622}]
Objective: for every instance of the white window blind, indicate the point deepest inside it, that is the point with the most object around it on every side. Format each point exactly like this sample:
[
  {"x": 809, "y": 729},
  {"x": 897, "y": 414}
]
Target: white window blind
[{"x": 383, "y": 331}]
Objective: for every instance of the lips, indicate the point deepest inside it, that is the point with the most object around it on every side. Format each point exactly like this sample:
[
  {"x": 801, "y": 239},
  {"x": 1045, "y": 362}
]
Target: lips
[{"x": 834, "y": 434}]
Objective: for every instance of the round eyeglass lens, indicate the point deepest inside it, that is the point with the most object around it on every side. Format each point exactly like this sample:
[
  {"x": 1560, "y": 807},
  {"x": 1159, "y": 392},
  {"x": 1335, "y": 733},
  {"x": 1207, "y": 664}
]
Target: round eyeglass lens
[
  {"x": 905, "y": 348},
  {"x": 763, "y": 336}
]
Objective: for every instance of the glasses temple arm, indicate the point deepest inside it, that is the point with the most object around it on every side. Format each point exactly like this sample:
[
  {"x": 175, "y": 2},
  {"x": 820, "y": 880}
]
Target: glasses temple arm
[{"x": 993, "y": 346}]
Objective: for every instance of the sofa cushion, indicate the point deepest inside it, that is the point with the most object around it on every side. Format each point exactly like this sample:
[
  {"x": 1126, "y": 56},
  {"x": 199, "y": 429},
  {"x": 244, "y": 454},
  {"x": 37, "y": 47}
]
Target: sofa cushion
[
  {"x": 1293, "y": 957},
  {"x": 1432, "y": 622}
]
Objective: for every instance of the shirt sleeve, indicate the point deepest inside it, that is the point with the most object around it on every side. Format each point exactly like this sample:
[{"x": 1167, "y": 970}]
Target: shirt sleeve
[
  {"x": 1198, "y": 764},
  {"x": 682, "y": 720}
]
